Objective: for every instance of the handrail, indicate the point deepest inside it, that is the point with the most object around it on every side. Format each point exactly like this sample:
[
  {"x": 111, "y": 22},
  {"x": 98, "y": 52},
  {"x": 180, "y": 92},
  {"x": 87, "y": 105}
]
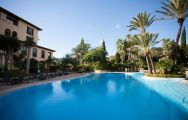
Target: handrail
[{"x": 185, "y": 98}]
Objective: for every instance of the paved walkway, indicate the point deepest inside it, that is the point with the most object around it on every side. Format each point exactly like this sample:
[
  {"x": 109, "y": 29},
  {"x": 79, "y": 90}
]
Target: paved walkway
[{"x": 4, "y": 88}]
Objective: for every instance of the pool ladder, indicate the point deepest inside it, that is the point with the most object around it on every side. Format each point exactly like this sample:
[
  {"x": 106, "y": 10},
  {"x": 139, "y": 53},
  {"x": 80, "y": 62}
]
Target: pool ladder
[{"x": 185, "y": 99}]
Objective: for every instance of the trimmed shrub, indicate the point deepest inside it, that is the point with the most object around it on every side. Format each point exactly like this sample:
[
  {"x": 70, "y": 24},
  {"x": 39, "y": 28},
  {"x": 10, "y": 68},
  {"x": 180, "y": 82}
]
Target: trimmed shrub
[
  {"x": 166, "y": 75},
  {"x": 164, "y": 65}
]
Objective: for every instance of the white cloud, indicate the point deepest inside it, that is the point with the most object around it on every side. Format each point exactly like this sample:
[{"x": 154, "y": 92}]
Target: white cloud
[
  {"x": 118, "y": 26},
  {"x": 100, "y": 42}
]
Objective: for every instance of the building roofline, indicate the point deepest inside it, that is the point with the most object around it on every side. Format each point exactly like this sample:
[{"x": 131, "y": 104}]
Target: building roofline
[
  {"x": 44, "y": 48},
  {"x": 8, "y": 12}
]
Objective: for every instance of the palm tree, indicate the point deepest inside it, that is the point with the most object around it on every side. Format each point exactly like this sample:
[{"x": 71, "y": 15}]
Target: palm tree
[
  {"x": 145, "y": 42},
  {"x": 175, "y": 9},
  {"x": 141, "y": 22},
  {"x": 132, "y": 52},
  {"x": 29, "y": 43},
  {"x": 120, "y": 49}
]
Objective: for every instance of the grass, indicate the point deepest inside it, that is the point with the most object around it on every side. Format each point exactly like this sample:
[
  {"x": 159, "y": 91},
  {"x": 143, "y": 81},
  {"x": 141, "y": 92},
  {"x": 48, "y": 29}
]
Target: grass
[{"x": 166, "y": 75}]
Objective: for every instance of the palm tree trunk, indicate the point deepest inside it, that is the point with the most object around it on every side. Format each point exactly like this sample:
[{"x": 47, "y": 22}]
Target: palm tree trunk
[
  {"x": 28, "y": 60},
  {"x": 6, "y": 64},
  {"x": 129, "y": 54},
  {"x": 148, "y": 64},
  {"x": 152, "y": 64},
  {"x": 11, "y": 60},
  {"x": 11, "y": 63},
  {"x": 6, "y": 56},
  {"x": 179, "y": 31}
]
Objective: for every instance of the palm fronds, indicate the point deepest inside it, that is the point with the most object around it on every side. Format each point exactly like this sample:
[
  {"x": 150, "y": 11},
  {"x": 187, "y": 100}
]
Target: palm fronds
[
  {"x": 141, "y": 21},
  {"x": 174, "y": 9}
]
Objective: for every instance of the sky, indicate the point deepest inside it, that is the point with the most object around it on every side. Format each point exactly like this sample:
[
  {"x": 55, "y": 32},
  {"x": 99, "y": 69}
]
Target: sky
[{"x": 65, "y": 22}]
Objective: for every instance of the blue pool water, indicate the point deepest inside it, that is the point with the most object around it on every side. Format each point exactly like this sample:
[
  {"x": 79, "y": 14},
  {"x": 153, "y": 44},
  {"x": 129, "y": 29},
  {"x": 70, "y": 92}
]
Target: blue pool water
[{"x": 109, "y": 96}]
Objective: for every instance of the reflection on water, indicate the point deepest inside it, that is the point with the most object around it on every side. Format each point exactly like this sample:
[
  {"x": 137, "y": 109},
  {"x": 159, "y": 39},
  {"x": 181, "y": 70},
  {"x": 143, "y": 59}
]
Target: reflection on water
[
  {"x": 111, "y": 87},
  {"x": 59, "y": 92},
  {"x": 94, "y": 97},
  {"x": 24, "y": 101}
]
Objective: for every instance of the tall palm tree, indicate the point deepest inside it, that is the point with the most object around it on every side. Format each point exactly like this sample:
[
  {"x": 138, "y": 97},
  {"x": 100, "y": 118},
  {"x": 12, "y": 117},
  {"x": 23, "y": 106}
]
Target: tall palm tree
[
  {"x": 132, "y": 52},
  {"x": 141, "y": 22},
  {"x": 29, "y": 43},
  {"x": 120, "y": 49},
  {"x": 175, "y": 9},
  {"x": 145, "y": 42}
]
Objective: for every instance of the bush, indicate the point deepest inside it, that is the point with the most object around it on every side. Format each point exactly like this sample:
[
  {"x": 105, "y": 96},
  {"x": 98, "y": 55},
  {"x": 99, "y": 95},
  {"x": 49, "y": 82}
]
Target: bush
[
  {"x": 15, "y": 73},
  {"x": 178, "y": 69},
  {"x": 33, "y": 66},
  {"x": 86, "y": 68},
  {"x": 164, "y": 65},
  {"x": 53, "y": 68},
  {"x": 166, "y": 75},
  {"x": 42, "y": 66},
  {"x": 97, "y": 66}
]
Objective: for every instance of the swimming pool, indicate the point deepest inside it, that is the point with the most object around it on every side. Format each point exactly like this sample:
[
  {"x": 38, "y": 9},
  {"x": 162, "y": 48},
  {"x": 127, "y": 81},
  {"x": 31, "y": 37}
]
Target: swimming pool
[{"x": 107, "y": 96}]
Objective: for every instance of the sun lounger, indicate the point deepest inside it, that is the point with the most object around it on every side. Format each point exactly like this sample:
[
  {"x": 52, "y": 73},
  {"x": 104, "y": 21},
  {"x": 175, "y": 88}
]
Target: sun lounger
[
  {"x": 48, "y": 75},
  {"x": 10, "y": 80},
  {"x": 31, "y": 77},
  {"x": 42, "y": 76}
]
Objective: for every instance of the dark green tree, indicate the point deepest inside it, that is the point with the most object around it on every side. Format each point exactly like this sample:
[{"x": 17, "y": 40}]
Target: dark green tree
[
  {"x": 33, "y": 65},
  {"x": 104, "y": 52},
  {"x": 9, "y": 45},
  {"x": 19, "y": 60},
  {"x": 182, "y": 52},
  {"x": 80, "y": 50},
  {"x": 183, "y": 39},
  {"x": 117, "y": 61},
  {"x": 69, "y": 63},
  {"x": 171, "y": 50},
  {"x": 117, "y": 58},
  {"x": 97, "y": 57}
]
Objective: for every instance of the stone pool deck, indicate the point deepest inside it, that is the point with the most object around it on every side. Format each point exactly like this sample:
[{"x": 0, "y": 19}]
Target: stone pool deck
[
  {"x": 174, "y": 89},
  {"x": 5, "y": 88}
]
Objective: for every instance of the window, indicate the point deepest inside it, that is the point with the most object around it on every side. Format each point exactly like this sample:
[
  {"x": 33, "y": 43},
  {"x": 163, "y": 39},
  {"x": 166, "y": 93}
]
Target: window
[
  {"x": 29, "y": 31},
  {"x": 14, "y": 34},
  {"x": 7, "y": 32},
  {"x": 34, "y": 52},
  {"x": 12, "y": 20},
  {"x": 42, "y": 54}
]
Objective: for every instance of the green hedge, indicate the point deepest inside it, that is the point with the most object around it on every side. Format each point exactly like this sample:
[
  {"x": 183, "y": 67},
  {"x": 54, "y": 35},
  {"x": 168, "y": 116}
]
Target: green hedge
[{"x": 166, "y": 75}]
